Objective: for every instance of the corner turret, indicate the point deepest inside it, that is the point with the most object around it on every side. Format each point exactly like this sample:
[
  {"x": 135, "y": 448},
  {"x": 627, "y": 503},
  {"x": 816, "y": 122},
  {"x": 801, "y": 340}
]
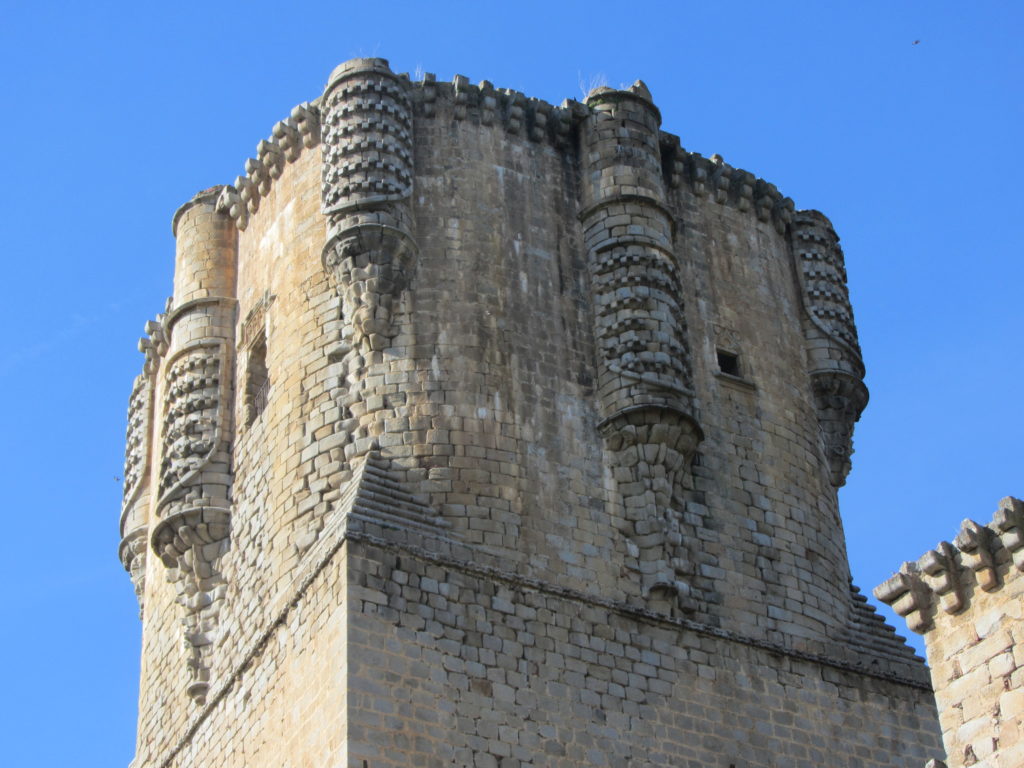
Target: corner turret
[
  {"x": 644, "y": 380},
  {"x": 833, "y": 352},
  {"x": 192, "y": 510}
]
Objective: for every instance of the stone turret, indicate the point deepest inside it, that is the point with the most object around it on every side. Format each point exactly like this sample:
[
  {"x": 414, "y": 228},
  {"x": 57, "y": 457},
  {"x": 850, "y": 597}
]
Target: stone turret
[
  {"x": 498, "y": 432},
  {"x": 833, "y": 353},
  {"x": 134, "y": 525},
  {"x": 367, "y": 186},
  {"x": 192, "y": 510},
  {"x": 644, "y": 378}
]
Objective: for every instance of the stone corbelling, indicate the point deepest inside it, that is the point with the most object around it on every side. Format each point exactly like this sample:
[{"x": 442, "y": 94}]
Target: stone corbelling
[
  {"x": 190, "y": 542},
  {"x": 944, "y": 578},
  {"x": 132, "y": 553},
  {"x": 839, "y": 398}
]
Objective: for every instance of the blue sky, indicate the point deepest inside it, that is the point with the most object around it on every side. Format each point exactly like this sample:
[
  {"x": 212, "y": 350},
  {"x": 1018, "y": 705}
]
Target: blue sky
[{"x": 116, "y": 113}]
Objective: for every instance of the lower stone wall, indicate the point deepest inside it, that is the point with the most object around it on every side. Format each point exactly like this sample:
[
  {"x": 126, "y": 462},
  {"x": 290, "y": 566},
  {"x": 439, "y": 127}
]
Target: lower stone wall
[
  {"x": 448, "y": 667},
  {"x": 380, "y": 656},
  {"x": 283, "y": 705}
]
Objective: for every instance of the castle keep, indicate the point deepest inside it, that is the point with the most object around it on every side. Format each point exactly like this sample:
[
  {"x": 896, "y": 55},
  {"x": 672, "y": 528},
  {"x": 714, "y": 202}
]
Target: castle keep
[{"x": 483, "y": 432}]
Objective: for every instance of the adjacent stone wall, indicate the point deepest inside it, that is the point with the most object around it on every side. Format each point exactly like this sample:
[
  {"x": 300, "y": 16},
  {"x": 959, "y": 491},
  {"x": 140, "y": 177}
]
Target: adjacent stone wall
[{"x": 965, "y": 597}]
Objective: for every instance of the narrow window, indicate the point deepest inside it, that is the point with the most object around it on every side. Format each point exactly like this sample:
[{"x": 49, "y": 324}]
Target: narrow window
[
  {"x": 257, "y": 380},
  {"x": 728, "y": 362}
]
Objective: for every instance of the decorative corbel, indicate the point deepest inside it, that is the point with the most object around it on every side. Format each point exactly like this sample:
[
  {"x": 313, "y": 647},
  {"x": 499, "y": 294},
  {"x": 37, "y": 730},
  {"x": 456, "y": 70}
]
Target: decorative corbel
[
  {"x": 943, "y": 576},
  {"x": 1009, "y": 521},
  {"x": 909, "y": 597},
  {"x": 975, "y": 544}
]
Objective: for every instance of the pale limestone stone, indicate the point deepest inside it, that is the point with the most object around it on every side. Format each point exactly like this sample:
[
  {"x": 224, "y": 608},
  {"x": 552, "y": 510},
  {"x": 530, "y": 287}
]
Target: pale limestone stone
[{"x": 976, "y": 651}]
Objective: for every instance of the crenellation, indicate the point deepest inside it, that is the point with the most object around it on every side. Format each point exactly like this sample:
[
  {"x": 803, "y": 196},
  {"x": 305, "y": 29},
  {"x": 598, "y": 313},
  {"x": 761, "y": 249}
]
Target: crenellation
[
  {"x": 531, "y": 117},
  {"x": 488, "y": 102},
  {"x": 742, "y": 186},
  {"x": 288, "y": 138},
  {"x": 943, "y": 576},
  {"x": 1008, "y": 523},
  {"x": 721, "y": 179},
  {"x": 976, "y": 551},
  {"x": 976, "y": 554},
  {"x": 515, "y": 111},
  {"x": 966, "y": 599}
]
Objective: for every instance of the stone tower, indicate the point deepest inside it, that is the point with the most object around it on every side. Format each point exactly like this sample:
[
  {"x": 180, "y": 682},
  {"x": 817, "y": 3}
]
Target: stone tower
[{"x": 483, "y": 432}]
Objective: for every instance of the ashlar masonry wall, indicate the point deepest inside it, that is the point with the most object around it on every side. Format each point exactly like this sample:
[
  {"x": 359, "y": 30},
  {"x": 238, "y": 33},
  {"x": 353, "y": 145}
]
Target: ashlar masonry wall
[{"x": 454, "y": 667}]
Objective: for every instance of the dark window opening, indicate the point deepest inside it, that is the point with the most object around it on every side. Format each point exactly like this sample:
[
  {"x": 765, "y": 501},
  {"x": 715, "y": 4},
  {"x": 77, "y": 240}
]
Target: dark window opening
[
  {"x": 257, "y": 381},
  {"x": 728, "y": 362}
]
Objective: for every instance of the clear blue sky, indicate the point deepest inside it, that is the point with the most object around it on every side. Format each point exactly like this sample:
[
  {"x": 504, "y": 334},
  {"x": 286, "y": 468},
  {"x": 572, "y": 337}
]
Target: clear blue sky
[{"x": 116, "y": 113}]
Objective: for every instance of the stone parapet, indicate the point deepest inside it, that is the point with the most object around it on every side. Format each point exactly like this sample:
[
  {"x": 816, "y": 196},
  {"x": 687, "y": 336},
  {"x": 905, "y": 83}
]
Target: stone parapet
[
  {"x": 967, "y": 599},
  {"x": 519, "y": 117}
]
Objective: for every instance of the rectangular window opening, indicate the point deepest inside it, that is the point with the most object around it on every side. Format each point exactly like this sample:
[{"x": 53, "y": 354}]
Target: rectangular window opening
[
  {"x": 257, "y": 380},
  {"x": 728, "y": 362}
]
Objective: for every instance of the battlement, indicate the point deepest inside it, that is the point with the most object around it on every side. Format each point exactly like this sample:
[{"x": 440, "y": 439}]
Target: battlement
[
  {"x": 515, "y": 115},
  {"x": 965, "y": 597},
  {"x": 948, "y": 579}
]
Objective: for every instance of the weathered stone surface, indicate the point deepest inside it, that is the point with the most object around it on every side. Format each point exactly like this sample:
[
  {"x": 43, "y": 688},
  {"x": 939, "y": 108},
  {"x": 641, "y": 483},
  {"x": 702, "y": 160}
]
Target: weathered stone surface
[
  {"x": 487, "y": 432},
  {"x": 968, "y": 602}
]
